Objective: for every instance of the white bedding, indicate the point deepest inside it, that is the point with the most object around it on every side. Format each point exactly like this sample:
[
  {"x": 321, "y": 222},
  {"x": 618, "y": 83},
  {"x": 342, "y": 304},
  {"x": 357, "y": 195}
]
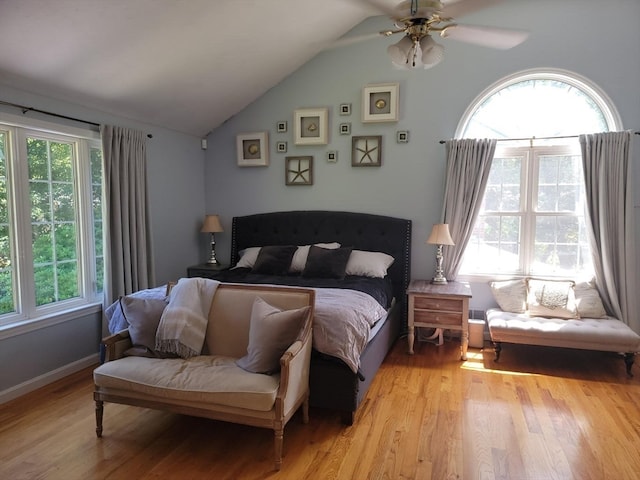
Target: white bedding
[{"x": 341, "y": 326}]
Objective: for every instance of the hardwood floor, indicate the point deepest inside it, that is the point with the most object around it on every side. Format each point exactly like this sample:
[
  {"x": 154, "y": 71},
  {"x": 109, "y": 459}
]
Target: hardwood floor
[{"x": 540, "y": 413}]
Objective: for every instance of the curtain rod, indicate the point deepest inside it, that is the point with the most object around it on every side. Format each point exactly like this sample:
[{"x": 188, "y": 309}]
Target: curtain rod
[
  {"x": 532, "y": 138},
  {"x": 26, "y": 109}
]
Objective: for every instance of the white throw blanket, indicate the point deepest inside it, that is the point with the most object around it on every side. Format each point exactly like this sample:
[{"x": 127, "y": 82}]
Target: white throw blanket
[{"x": 183, "y": 324}]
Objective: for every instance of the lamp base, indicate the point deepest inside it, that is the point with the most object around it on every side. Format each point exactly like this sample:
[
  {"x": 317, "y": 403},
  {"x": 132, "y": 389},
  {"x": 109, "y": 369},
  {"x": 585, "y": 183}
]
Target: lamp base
[{"x": 439, "y": 281}]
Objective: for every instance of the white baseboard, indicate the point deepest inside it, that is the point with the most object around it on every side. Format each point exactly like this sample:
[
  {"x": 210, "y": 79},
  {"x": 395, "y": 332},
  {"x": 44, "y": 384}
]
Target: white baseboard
[{"x": 47, "y": 378}]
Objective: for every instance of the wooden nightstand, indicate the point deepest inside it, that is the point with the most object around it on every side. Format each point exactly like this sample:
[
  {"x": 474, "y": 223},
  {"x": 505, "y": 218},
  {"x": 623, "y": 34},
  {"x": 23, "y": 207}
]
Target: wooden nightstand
[
  {"x": 439, "y": 306},
  {"x": 205, "y": 270}
]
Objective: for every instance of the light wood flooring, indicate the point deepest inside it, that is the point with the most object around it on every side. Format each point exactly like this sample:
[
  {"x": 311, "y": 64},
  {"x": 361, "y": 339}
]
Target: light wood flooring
[{"x": 540, "y": 413}]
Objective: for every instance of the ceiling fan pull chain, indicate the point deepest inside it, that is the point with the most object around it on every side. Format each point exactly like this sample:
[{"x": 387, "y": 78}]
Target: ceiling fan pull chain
[{"x": 414, "y": 7}]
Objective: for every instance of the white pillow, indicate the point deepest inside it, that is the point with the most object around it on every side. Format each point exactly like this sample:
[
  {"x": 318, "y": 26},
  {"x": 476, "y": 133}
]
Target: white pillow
[
  {"x": 551, "y": 298},
  {"x": 248, "y": 257},
  {"x": 299, "y": 259},
  {"x": 588, "y": 300},
  {"x": 368, "y": 264},
  {"x": 511, "y": 295}
]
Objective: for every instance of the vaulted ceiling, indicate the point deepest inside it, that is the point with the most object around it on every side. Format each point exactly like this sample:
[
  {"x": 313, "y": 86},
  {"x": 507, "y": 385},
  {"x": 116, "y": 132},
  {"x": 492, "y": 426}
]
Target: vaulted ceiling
[{"x": 187, "y": 65}]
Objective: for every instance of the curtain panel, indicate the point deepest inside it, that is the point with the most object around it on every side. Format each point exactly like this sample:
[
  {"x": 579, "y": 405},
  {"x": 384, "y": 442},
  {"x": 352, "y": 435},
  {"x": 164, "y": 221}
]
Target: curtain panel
[
  {"x": 608, "y": 175},
  {"x": 128, "y": 243},
  {"x": 468, "y": 167}
]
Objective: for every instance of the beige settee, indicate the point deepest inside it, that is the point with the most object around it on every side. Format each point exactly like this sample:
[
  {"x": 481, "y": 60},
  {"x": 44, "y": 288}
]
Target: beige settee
[
  {"x": 556, "y": 313},
  {"x": 212, "y": 384}
]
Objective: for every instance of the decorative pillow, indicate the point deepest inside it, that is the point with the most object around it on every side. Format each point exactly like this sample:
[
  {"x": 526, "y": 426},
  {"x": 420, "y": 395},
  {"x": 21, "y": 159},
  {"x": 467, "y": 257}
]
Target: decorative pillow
[
  {"x": 326, "y": 263},
  {"x": 511, "y": 295},
  {"x": 300, "y": 257},
  {"x": 274, "y": 260},
  {"x": 551, "y": 298},
  {"x": 248, "y": 257},
  {"x": 588, "y": 300},
  {"x": 271, "y": 332},
  {"x": 143, "y": 316},
  {"x": 368, "y": 264}
]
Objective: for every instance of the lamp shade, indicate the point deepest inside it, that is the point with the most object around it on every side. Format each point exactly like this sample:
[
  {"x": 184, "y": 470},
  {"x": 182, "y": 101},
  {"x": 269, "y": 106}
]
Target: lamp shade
[
  {"x": 440, "y": 235},
  {"x": 211, "y": 224},
  {"x": 432, "y": 52}
]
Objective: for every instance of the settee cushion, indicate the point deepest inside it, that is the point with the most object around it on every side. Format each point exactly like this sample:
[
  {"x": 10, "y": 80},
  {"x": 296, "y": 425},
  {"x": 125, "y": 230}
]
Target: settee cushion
[
  {"x": 271, "y": 331},
  {"x": 588, "y": 300},
  {"x": 511, "y": 295},
  {"x": 205, "y": 379},
  {"x": 604, "y": 334},
  {"x": 551, "y": 298},
  {"x": 143, "y": 316}
]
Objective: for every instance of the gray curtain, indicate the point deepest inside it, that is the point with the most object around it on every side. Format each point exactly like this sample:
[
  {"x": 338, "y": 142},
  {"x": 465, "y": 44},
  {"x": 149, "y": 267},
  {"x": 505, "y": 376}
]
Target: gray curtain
[
  {"x": 608, "y": 175},
  {"x": 468, "y": 167},
  {"x": 128, "y": 247}
]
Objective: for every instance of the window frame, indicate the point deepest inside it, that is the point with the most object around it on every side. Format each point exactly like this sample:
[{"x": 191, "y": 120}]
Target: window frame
[
  {"x": 611, "y": 117},
  {"x": 27, "y": 316}
]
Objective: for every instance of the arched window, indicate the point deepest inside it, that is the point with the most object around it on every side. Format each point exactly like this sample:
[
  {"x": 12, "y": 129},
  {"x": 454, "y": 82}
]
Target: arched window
[{"x": 532, "y": 217}]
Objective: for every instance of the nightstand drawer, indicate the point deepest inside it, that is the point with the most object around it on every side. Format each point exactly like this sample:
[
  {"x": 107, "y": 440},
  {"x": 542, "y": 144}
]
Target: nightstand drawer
[
  {"x": 441, "y": 318},
  {"x": 435, "y": 303}
]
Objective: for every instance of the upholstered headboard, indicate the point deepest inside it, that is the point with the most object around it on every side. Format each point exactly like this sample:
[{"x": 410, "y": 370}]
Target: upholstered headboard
[{"x": 362, "y": 231}]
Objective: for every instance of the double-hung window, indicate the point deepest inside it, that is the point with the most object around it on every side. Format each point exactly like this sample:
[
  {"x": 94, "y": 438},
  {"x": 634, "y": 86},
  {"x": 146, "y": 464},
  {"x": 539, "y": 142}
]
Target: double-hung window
[
  {"x": 532, "y": 215},
  {"x": 51, "y": 257}
]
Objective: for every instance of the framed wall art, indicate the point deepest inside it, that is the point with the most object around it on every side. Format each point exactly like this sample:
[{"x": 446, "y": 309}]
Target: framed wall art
[
  {"x": 252, "y": 149},
  {"x": 298, "y": 170},
  {"x": 345, "y": 129},
  {"x": 366, "y": 151},
  {"x": 380, "y": 102},
  {"x": 281, "y": 126},
  {"x": 281, "y": 147},
  {"x": 311, "y": 126},
  {"x": 345, "y": 109},
  {"x": 402, "y": 136},
  {"x": 332, "y": 156}
]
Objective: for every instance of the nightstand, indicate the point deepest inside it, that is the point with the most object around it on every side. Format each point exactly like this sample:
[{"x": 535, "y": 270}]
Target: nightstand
[
  {"x": 439, "y": 306},
  {"x": 205, "y": 270}
]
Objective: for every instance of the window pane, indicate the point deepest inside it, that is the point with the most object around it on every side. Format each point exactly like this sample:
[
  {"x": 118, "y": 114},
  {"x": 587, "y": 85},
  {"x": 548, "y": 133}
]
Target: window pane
[
  {"x": 560, "y": 183},
  {"x": 503, "y": 187},
  {"x": 494, "y": 246},
  {"x": 7, "y": 297},
  {"x": 54, "y": 220},
  {"x": 561, "y": 246},
  {"x": 96, "y": 200}
]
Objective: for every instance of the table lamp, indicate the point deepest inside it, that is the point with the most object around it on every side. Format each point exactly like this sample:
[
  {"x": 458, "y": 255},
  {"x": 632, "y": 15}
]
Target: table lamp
[
  {"x": 440, "y": 236},
  {"x": 212, "y": 225}
]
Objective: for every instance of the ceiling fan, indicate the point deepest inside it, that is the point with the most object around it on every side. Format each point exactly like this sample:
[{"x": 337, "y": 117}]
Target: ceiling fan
[{"x": 419, "y": 19}]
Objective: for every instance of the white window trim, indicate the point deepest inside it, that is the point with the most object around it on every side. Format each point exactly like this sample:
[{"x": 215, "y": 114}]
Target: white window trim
[{"x": 29, "y": 319}]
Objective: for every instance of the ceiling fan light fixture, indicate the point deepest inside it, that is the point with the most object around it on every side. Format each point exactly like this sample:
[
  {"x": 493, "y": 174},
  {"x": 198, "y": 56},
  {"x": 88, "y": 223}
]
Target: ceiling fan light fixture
[
  {"x": 398, "y": 52},
  {"x": 432, "y": 52}
]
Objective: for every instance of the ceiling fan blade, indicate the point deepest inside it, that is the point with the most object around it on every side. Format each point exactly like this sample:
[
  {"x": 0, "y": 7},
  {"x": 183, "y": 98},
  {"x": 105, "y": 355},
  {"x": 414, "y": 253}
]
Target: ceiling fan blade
[
  {"x": 492, "y": 37},
  {"x": 459, "y": 8},
  {"x": 380, "y": 7},
  {"x": 345, "y": 41}
]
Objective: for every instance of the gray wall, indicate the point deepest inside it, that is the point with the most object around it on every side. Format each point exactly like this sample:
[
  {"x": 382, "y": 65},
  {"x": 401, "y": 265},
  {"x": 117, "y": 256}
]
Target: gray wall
[
  {"x": 576, "y": 35},
  {"x": 176, "y": 193}
]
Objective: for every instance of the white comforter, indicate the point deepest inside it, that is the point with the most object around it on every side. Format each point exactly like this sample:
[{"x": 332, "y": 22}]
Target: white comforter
[{"x": 342, "y": 323}]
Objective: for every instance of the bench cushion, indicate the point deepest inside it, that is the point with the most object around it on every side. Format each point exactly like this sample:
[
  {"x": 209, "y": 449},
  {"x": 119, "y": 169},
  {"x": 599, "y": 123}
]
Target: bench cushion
[
  {"x": 206, "y": 379},
  {"x": 604, "y": 334}
]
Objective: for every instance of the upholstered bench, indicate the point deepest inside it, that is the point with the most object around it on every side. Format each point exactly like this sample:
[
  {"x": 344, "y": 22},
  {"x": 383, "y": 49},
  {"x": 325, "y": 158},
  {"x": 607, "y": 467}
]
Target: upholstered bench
[
  {"x": 605, "y": 334},
  {"x": 557, "y": 313}
]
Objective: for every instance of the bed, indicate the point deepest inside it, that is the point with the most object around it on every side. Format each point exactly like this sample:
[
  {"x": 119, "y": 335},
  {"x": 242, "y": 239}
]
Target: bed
[
  {"x": 340, "y": 374},
  {"x": 334, "y": 385}
]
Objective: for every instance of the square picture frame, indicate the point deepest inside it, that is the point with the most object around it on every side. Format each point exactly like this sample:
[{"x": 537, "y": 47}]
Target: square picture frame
[
  {"x": 345, "y": 129},
  {"x": 298, "y": 170},
  {"x": 366, "y": 151},
  {"x": 281, "y": 126},
  {"x": 311, "y": 126},
  {"x": 252, "y": 149},
  {"x": 345, "y": 109},
  {"x": 281, "y": 147},
  {"x": 380, "y": 102},
  {"x": 332, "y": 156},
  {"x": 402, "y": 136}
]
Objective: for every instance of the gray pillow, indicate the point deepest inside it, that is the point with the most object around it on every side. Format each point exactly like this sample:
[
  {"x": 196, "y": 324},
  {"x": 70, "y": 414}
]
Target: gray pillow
[
  {"x": 327, "y": 263},
  {"x": 274, "y": 260},
  {"x": 271, "y": 332},
  {"x": 143, "y": 316}
]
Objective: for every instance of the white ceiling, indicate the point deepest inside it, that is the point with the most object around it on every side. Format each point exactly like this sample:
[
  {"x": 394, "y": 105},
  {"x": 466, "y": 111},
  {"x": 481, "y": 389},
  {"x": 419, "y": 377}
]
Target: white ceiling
[{"x": 187, "y": 65}]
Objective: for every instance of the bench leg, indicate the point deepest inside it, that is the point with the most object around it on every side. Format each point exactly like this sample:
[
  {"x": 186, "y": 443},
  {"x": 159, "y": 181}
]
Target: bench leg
[
  {"x": 628, "y": 361},
  {"x": 278, "y": 441},
  {"x": 497, "y": 348},
  {"x": 99, "y": 410}
]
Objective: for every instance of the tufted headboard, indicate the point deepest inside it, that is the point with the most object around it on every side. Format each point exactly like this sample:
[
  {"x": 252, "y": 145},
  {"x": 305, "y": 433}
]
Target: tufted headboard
[{"x": 362, "y": 231}]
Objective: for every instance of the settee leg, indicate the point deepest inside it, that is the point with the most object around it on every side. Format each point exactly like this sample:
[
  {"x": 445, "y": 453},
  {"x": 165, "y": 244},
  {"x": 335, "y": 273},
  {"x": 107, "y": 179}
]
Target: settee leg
[
  {"x": 497, "y": 348},
  {"x": 279, "y": 440},
  {"x": 628, "y": 361},
  {"x": 305, "y": 410},
  {"x": 99, "y": 410}
]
